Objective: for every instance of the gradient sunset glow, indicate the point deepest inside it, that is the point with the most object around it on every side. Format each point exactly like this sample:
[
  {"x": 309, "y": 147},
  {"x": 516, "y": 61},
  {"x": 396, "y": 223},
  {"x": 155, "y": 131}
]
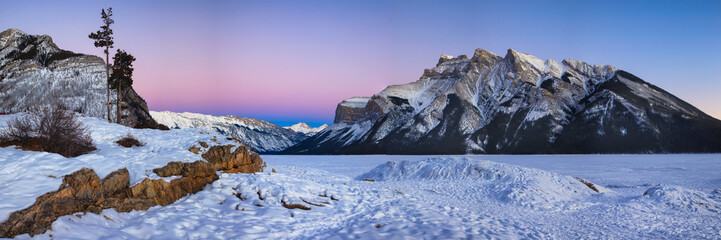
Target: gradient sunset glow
[{"x": 292, "y": 61}]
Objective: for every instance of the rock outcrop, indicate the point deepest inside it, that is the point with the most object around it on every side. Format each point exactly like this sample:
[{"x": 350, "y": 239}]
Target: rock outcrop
[
  {"x": 355, "y": 109},
  {"x": 84, "y": 191},
  {"x": 35, "y": 73},
  {"x": 241, "y": 160}
]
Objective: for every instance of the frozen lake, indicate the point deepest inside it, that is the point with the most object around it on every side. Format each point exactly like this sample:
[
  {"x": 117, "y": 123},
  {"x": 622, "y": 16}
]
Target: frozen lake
[
  {"x": 444, "y": 197},
  {"x": 698, "y": 171}
]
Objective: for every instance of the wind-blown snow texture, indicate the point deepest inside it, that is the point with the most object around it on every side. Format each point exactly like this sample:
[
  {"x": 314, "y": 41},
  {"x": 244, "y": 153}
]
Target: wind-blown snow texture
[
  {"x": 259, "y": 135},
  {"x": 416, "y": 197},
  {"x": 518, "y": 104},
  {"x": 35, "y": 73}
]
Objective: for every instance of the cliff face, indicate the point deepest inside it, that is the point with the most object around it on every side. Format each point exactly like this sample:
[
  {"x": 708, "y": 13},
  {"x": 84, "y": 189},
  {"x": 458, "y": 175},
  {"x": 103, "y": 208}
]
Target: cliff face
[
  {"x": 35, "y": 73},
  {"x": 517, "y": 104},
  {"x": 356, "y": 109}
]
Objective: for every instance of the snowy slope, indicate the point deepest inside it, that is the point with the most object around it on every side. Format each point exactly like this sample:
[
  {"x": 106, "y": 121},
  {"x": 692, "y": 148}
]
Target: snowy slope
[
  {"x": 424, "y": 198},
  {"x": 517, "y": 104},
  {"x": 305, "y": 129},
  {"x": 259, "y": 135},
  {"x": 25, "y": 175}
]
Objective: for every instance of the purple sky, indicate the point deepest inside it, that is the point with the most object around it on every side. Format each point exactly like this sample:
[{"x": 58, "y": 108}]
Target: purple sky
[{"x": 291, "y": 61}]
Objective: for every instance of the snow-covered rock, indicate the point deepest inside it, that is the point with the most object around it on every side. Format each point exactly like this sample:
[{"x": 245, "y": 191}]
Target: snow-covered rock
[
  {"x": 517, "y": 104},
  {"x": 259, "y": 135},
  {"x": 305, "y": 129},
  {"x": 35, "y": 73}
]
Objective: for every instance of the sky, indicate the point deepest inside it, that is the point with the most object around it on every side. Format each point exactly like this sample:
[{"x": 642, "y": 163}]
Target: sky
[{"x": 292, "y": 61}]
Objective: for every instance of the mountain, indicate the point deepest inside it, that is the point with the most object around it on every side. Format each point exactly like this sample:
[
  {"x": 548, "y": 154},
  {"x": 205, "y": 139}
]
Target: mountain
[
  {"x": 517, "y": 104},
  {"x": 305, "y": 129},
  {"x": 259, "y": 135},
  {"x": 34, "y": 73}
]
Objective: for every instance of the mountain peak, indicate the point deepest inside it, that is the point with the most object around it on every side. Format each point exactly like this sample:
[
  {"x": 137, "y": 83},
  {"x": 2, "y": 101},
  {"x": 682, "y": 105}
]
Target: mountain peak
[
  {"x": 447, "y": 58},
  {"x": 16, "y": 38},
  {"x": 305, "y": 129}
]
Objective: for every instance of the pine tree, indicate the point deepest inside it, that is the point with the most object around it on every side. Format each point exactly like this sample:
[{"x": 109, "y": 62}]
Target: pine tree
[
  {"x": 104, "y": 38},
  {"x": 122, "y": 74}
]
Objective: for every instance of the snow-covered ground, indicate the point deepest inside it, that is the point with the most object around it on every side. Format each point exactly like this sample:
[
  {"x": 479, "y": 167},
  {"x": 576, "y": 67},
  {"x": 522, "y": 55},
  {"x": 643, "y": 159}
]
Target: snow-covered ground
[
  {"x": 437, "y": 197},
  {"x": 385, "y": 197},
  {"x": 25, "y": 175}
]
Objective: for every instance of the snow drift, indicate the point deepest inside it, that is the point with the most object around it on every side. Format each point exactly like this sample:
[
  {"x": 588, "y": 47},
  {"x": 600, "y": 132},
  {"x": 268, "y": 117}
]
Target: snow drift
[{"x": 507, "y": 183}]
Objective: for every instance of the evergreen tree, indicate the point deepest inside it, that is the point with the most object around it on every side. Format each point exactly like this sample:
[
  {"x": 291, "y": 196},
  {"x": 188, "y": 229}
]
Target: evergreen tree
[
  {"x": 104, "y": 38},
  {"x": 122, "y": 74}
]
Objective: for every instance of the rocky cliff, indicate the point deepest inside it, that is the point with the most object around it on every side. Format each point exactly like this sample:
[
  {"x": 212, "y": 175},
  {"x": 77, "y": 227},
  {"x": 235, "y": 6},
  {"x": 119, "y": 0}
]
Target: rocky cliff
[
  {"x": 35, "y": 73},
  {"x": 516, "y": 104}
]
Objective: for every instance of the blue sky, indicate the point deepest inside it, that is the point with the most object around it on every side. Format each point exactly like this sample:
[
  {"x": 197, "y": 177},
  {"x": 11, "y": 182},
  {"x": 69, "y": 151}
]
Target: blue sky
[{"x": 291, "y": 61}]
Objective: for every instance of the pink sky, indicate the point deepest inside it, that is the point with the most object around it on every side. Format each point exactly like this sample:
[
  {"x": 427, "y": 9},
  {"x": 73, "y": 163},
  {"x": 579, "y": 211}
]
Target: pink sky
[{"x": 292, "y": 61}]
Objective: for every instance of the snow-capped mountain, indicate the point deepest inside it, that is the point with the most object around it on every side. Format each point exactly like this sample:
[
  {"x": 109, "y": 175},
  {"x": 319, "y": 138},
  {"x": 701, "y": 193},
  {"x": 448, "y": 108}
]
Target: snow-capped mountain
[
  {"x": 517, "y": 104},
  {"x": 305, "y": 129},
  {"x": 259, "y": 135},
  {"x": 34, "y": 73}
]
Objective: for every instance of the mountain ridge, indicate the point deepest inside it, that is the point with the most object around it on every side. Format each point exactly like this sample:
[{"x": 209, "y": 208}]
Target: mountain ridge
[
  {"x": 518, "y": 104},
  {"x": 261, "y": 136}
]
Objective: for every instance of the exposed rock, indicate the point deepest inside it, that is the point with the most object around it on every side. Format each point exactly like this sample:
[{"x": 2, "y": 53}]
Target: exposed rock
[
  {"x": 354, "y": 109},
  {"x": 240, "y": 160},
  {"x": 194, "y": 149},
  {"x": 84, "y": 191}
]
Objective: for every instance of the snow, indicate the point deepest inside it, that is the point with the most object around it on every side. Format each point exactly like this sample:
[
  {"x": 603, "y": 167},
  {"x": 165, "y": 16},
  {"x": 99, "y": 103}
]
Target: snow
[
  {"x": 355, "y": 102},
  {"x": 304, "y": 128},
  {"x": 259, "y": 135},
  {"x": 409, "y": 197},
  {"x": 25, "y": 175},
  {"x": 449, "y": 197}
]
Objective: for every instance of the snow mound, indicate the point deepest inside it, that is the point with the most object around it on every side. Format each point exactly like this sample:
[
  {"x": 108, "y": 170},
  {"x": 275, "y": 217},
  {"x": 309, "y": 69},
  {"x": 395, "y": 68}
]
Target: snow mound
[
  {"x": 507, "y": 183},
  {"x": 683, "y": 198}
]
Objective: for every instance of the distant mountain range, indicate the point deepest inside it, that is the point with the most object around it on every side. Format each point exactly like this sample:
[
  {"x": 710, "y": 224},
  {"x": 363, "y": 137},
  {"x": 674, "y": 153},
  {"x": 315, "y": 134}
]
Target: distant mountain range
[
  {"x": 305, "y": 129},
  {"x": 517, "y": 104},
  {"x": 35, "y": 73},
  {"x": 259, "y": 135}
]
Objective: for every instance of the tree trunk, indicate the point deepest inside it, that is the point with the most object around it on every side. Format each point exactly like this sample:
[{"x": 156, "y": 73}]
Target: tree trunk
[
  {"x": 120, "y": 99},
  {"x": 107, "y": 79}
]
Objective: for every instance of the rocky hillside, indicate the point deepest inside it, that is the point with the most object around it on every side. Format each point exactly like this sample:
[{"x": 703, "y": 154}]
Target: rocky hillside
[
  {"x": 35, "y": 73},
  {"x": 517, "y": 104},
  {"x": 259, "y": 135}
]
